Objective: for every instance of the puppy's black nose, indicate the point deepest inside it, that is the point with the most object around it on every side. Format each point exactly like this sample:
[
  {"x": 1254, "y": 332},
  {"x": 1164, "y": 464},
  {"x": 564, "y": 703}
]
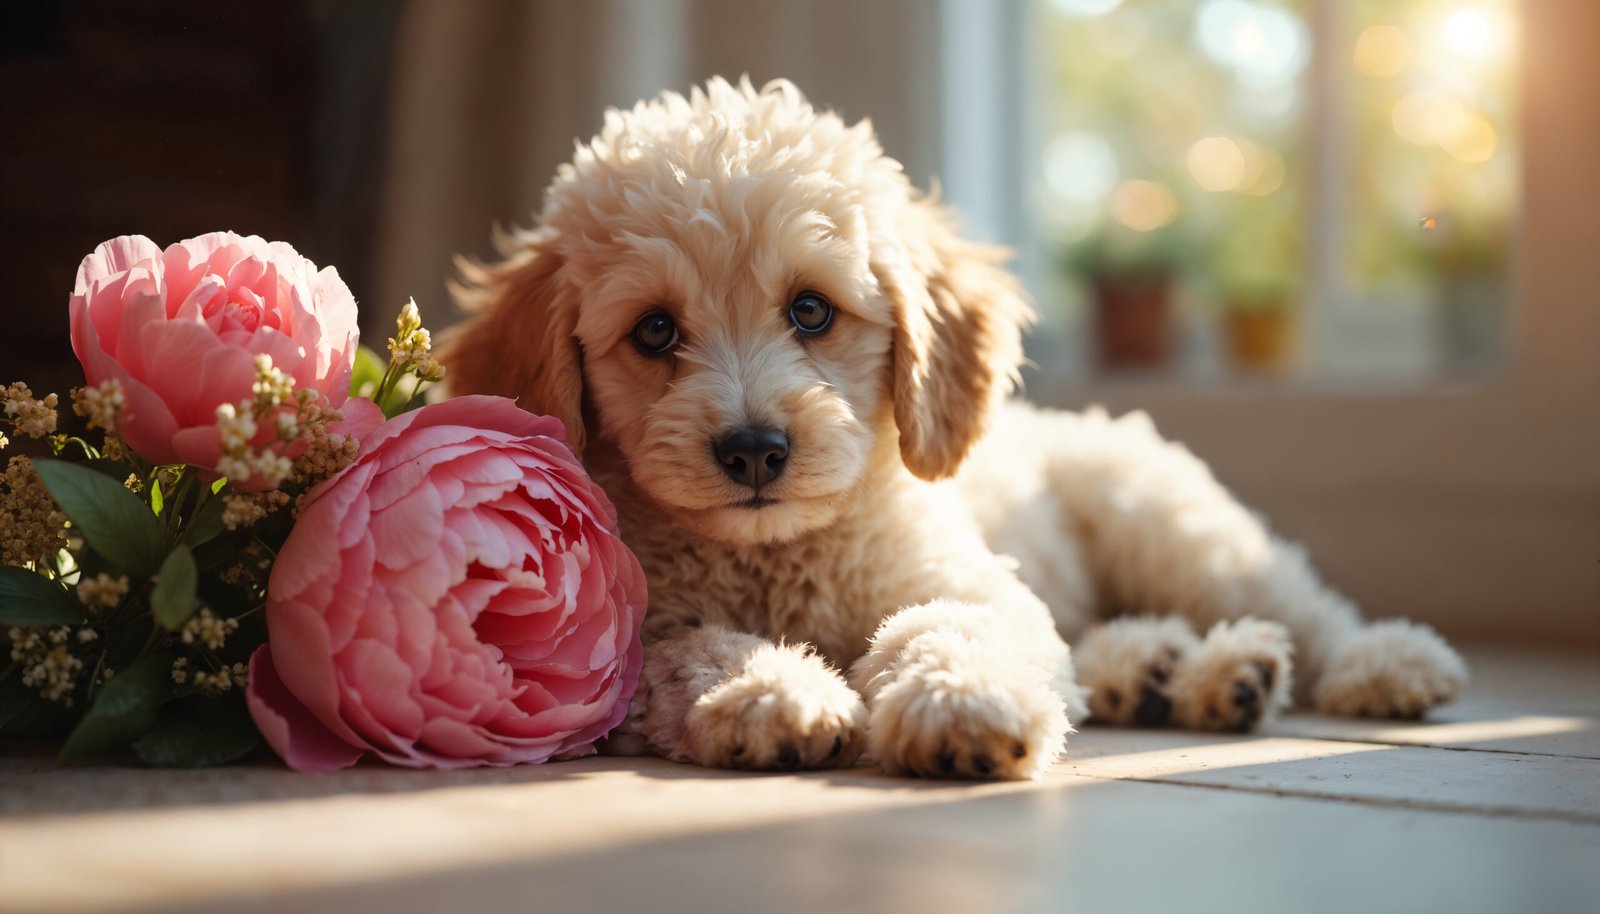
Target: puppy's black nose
[{"x": 753, "y": 456}]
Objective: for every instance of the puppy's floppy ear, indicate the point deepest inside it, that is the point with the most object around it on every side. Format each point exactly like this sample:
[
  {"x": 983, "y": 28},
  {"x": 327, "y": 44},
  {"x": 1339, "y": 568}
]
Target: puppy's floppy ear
[
  {"x": 521, "y": 341},
  {"x": 958, "y": 336}
]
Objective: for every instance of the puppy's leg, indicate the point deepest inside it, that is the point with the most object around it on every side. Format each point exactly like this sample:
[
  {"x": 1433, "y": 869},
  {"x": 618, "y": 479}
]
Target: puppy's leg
[
  {"x": 1160, "y": 532},
  {"x": 725, "y": 699},
  {"x": 963, "y": 690}
]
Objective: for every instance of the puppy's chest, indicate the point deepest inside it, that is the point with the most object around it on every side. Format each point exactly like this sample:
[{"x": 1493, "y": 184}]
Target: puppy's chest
[{"x": 809, "y": 591}]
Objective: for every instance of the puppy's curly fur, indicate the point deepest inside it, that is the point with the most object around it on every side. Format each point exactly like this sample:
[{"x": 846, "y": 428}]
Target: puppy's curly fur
[{"x": 869, "y": 601}]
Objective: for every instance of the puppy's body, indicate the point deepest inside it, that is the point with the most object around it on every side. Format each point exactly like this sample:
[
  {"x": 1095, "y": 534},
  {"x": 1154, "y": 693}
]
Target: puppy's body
[{"x": 664, "y": 309}]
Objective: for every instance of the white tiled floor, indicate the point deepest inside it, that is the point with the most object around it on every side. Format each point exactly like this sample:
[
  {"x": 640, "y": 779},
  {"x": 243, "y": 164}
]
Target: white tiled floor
[{"x": 1492, "y": 805}]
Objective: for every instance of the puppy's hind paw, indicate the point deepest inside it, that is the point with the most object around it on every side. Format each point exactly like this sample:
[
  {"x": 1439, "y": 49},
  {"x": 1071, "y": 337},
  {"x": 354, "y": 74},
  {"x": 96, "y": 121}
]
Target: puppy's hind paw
[
  {"x": 1238, "y": 678},
  {"x": 1392, "y": 668},
  {"x": 1128, "y": 665},
  {"x": 785, "y": 711},
  {"x": 956, "y": 708}
]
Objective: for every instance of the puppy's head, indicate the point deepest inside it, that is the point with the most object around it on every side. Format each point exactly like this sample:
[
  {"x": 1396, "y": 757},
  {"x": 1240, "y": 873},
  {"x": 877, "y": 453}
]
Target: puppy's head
[{"x": 746, "y": 299}]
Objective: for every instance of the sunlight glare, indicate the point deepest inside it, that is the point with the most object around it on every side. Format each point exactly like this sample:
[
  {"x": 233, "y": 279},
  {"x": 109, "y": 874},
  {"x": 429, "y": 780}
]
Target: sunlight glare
[{"x": 1086, "y": 7}]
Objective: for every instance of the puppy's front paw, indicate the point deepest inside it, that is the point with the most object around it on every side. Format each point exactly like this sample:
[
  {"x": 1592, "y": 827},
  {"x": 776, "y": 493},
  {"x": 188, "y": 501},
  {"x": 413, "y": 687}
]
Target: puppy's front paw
[
  {"x": 956, "y": 708},
  {"x": 1393, "y": 669},
  {"x": 785, "y": 710},
  {"x": 1238, "y": 678}
]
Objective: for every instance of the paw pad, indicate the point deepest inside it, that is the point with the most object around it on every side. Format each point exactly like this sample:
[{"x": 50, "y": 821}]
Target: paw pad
[{"x": 1237, "y": 679}]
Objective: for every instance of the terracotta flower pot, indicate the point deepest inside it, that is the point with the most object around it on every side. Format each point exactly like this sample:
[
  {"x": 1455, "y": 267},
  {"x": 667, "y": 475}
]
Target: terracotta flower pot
[
  {"x": 1259, "y": 340},
  {"x": 1133, "y": 322}
]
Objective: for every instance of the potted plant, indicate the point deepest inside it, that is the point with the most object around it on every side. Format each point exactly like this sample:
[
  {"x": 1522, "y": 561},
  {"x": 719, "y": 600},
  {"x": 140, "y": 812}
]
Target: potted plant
[
  {"x": 1131, "y": 278},
  {"x": 1257, "y": 286},
  {"x": 1259, "y": 325}
]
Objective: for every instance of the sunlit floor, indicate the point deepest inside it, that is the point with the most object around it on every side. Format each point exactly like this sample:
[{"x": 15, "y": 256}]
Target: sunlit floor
[{"x": 1492, "y": 805}]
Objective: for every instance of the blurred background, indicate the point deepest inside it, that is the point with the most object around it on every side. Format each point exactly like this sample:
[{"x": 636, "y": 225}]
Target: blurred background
[{"x": 1344, "y": 249}]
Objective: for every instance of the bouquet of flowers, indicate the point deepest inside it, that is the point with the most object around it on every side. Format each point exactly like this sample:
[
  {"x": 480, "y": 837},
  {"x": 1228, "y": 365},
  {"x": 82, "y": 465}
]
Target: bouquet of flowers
[{"x": 265, "y": 533}]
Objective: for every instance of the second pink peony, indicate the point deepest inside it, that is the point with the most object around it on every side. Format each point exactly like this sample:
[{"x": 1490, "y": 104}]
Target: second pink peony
[{"x": 457, "y": 596}]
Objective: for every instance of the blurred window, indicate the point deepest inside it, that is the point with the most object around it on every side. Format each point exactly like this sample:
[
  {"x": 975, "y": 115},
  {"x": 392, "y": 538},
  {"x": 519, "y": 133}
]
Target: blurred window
[{"x": 1323, "y": 188}]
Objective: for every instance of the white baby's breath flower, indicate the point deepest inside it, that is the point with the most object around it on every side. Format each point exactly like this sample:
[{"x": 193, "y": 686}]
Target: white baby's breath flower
[
  {"x": 272, "y": 387},
  {"x": 288, "y": 427},
  {"x": 237, "y": 425},
  {"x": 34, "y": 418},
  {"x": 101, "y": 404},
  {"x": 102, "y": 591},
  {"x": 244, "y": 510},
  {"x": 205, "y": 628},
  {"x": 47, "y": 662},
  {"x": 31, "y": 526}
]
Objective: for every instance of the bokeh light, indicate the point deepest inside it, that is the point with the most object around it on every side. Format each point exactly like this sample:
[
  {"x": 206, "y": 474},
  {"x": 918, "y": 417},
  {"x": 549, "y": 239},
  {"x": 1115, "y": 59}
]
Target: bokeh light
[
  {"x": 1080, "y": 166},
  {"x": 1217, "y": 163},
  {"x": 1473, "y": 142},
  {"x": 1143, "y": 206},
  {"x": 1383, "y": 50},
  {"x": 1271, "y": 175},
  {"x": 1436, "y": 118},
  {"x": 1259, "y": 41}
]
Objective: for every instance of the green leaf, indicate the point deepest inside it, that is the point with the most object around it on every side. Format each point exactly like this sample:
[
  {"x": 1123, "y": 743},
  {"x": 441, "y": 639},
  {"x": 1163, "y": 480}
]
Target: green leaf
[
  {"x": 172, "y": 599},
  {"x": 28, "y": 598},
  {"x": 126, "y": 708},
  {"x": 367, "y": 373},
  {"x": 113, "y": 520},
  {"x": 198, "y": 732},
  {"x": 157, "y": 501},
  {"x": 206, "y": 524}
]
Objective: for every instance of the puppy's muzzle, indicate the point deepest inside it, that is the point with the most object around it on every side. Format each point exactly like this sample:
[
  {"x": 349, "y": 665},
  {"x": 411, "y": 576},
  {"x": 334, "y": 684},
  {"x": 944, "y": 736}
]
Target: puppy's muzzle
[{"x": 752, "y": 456}]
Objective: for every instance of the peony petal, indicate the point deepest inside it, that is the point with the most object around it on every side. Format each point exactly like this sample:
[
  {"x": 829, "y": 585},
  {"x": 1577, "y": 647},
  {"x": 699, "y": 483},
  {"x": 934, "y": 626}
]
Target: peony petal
[
  {"x": 146, "y": 424},
  {"x": 304, "y": 660},
  {"x": 383, "y": 682},
  {"x": 118, "y": 255},
  {"x": 189, "y": 343},
  {"x": 352, "y": 594},
  {"x": 454, "y": 738},
  {"x": 306, "y": 556},
  {"x": 294, "y": 733},
  {"x": 406, "y": 531},
  {"x": 361, "y": 418}
]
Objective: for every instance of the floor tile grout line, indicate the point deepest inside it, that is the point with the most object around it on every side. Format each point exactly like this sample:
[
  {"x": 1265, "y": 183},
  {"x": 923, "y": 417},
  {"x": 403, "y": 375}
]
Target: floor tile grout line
[
  {"x": 1400, "y": 745},
  {"x": 1496, "y": 812}
]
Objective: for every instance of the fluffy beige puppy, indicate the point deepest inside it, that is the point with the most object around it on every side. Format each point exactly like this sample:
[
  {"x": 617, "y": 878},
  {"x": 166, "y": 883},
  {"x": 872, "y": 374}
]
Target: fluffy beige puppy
[{"x": 776, "y": 355}]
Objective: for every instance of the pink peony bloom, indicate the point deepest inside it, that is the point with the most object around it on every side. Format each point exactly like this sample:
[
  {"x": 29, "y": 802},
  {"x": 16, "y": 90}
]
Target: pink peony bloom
[
  {"x": 180, "y": 329},
  {"x": 457, "y": 596}
]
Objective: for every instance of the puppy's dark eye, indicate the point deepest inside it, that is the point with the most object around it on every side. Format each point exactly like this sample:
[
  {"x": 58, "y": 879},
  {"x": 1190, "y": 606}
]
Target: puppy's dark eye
[
  {"x": 810, "y": 312},
  {"x": 655, "y": 333}
]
